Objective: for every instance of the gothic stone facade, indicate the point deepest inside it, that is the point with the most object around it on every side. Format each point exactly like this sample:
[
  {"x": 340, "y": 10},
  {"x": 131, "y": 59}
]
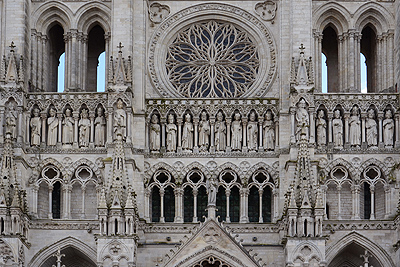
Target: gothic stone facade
[{"x": 213, "y": 143}]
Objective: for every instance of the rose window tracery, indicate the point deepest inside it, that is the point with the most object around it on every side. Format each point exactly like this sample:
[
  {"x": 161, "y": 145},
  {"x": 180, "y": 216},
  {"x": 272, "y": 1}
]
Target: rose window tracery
[{"x": 212, "y": 59}]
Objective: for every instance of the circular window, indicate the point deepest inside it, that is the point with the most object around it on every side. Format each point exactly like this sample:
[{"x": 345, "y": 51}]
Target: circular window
[
  {"x": 212, "y": 59},
  {"x": 194, "y": 55}
]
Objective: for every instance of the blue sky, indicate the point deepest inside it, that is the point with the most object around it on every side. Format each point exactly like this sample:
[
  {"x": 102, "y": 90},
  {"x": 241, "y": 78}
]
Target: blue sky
[{"x": 101, "y": 70}]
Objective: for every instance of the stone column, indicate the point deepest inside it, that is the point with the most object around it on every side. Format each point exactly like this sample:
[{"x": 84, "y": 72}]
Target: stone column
[
  {"x": 228, "y": 194},
  {"x": 147, "y": 194},
  {"x": 324, "y": 188},
  {"x": 196, "y": 134},
  {"x": 312, "y": 125},
  {"x": 179, "y": 121},
  {"x": 260, "y": 132},
  {"x": 84, "y": 61},
  {"x": 244, "y": 194},
  {"x": 50, "y": 215},
  {"x": 178, "y": 205},
  {"x": 1, "y": 125},
  {"x": 390, "y": 64},
  {"x": 363, "y": 142},
  {"x": 357, "y": 78},
  {"x": 110, "y": 125},
  {"x": 330, "y": 133},
  {"x": 260, "y": 195},
  {"x": 163, "y": 122},
  {"x": 317, "y": 55},
  {"x": 212, "y": 134},
  {"x": 27, "y": 130},
  {"x": 345, "y": 65},
  {"x": 129, "y": 125},
  {"x": 244, "y": 131},
  {"x": 34, "y": 60},
  {"x": 276, "y": 120},
  {"x": 75, "y": 115},
  {"x": 83, "y": 202},
  {"x": 355, "y": 189},
  {"x": 45, "y": 66},
  {"x": 292, "y": 125},
  {"x": 19, "y": 137},
  {"x": 91, "y": 117},
  {"x": 162, "y": 193},
  {"x": 346, "y": 130},
  {"x": 228, "y": 134},
  {"x": 387, "y": 201},
  {"x": 59, "y": 117},
  {"x": 340, "y": 63},
  {"x": 372, "y": 188},
  {"x": 352, "y": 64},
  {"x": 380, "y": 141},
  {"x": 195, "y": 193},
  {"x": 147, "y": 134},
  {"x": 34, "y": 204},
  {"x": 379, "y": 82},
  {"x": 275, "y": 193},
  {"x": 43, "y": 114}
]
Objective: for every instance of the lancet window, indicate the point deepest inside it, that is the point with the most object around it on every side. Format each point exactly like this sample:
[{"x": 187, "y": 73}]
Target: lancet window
[
  {"x": 96, "y": 46},
  {"x": 260, "y": 197},
  {"x": 330, "y": 50},
  {"x": 194, "y": 197},
  {"x": 162, "y": 197},
  {"x": 49, "y": 195}
]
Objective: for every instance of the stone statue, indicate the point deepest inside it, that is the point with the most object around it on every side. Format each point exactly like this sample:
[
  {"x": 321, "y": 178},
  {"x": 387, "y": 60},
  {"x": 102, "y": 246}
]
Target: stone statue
[
  {"x": 236, "y": 133},
  {"x": 84, "y": 129},
  {"x": 11, "y": 121},
  {"x": 36, "y": 127},
  {"x": 371, "y": 129},
  {"x": 303, "y": 119},
  {"x": 355, "y": 129},
  {"x": 68, "y": 128},
  {"x": 120, "y": 120},
  {"x": 204, "y": 132},
  {"x": 337, "y": 130},
  {"x": 187, "y": 134},
  {"x": 321, "y": 129},
  {"x": 269, "y": 132},
  {"x": 220, "y": 133},
  {"x": 52, "y": 128},
  {"x": 171, "y": 130},
  {"x": 212, "y": 189},
  {"x": 100, "y": 129},
  {"x": 155, "y": 131},
  {"x": 388, "y": 129},
  {"x": 252, "y": 132}
]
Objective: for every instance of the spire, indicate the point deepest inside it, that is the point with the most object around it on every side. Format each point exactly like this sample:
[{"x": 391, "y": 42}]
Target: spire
[
  {"x": 303, "y": 175},
  {"x": 305, "y": 204},
  {"x": 102, "y": 201},
  {"x": 319, "y": 204},
  {"x": 8, "y": 169},
  {"x": 129, "y": 201},
  {"x": 292, "y": 201}
]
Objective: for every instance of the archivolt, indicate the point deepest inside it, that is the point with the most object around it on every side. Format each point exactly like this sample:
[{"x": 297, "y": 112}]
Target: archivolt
[
  {"x": 50, "y": 13},
  {"x": 375, "y": 14},
  {"x": 45, "y": 253},
  {"x": 332, "y": 13},
  {"x": 380, "y": 254},
  {"x": 92, "y": 13}
]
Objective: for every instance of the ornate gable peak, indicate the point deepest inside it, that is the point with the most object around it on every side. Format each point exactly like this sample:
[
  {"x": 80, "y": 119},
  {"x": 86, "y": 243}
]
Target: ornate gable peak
[
  {"x": 120, "y": 72},
  {"x": 211, "y": 240},
  {"x": 302, "y": 73},
  {"x": 12, "y": 71}
]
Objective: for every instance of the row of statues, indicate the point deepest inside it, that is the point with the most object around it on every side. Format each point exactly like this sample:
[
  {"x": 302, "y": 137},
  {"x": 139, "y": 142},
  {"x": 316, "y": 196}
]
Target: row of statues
[
  {"x": 355, "y": 129},
  {"x": 219, "y": 132},
  {"x": 83, "y": 126}
]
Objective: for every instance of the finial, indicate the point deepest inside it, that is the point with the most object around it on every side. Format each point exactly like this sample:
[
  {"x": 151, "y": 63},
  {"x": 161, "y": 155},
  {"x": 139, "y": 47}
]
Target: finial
[
  {"x": 120, "y": 46},
  {"x": 58, "y": 255},
  {"x": 302, "y": 48},
  {"x": 12, "y": 46}
]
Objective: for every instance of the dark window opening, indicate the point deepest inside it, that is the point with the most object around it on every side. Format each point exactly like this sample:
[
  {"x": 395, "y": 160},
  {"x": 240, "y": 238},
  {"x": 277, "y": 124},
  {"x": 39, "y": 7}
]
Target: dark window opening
[
  {"x": 96, "y": 46},
  {"x": 367, "y": 201},
  {"x": 56, "y": 201},
  {"x": 188, "y": 201},
  {"x": 254, "y": 204},
  {"x": 330, "y": 50},
  {"x": 169, "y": 204},
  {"x": 234, "y": 205},
  {"x": 368, "y": 49},
  {"x": 221, "y": 203},
  {"x": 202, "y": 202},
  {"x": 155, "y": 205},
  {"x": 56, "y": 50}
]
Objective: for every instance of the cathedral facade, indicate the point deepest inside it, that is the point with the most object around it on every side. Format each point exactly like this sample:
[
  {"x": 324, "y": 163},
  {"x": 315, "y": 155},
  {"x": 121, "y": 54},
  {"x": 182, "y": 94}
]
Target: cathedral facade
[{"x": 220, "y": 138}]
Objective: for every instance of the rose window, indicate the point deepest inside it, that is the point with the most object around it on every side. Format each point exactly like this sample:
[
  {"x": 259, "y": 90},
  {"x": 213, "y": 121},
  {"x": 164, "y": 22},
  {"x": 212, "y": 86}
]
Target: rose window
[{"x": 212, "y": 59}]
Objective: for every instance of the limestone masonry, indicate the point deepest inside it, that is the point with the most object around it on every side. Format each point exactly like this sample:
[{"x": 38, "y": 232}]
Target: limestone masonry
[{"x": 228, "y": 133}]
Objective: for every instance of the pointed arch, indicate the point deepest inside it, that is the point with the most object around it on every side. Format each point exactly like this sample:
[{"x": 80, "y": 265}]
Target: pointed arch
[
  {"x": 334, "y": 14},
  {"x": 375, "y": 14},
  {"x": 378, "y": 163},
  {"x": 229, "y": 165},
  {"x": 274, "y": 173},
  {"x": 48, "y": 161},
  {"x": 340, "y": 161},
  {"x": 67, "y": 242},
  {"x": 161, "y": 165},
  {"x": 378, "y": 252},
  {"x": 83, "y": 161},
  {"x": 52, "y": 12},
  {"x": 91, "y": 14},
  {"x": 196, "y": 165}
]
